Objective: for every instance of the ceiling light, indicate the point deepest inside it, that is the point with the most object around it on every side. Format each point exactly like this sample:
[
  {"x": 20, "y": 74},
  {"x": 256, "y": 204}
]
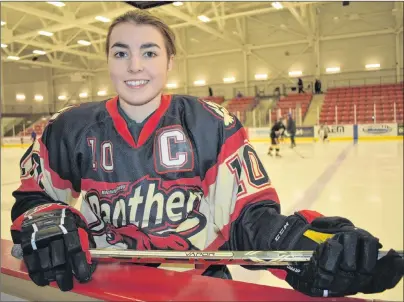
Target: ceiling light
[
  {"x": 45, "y": 33},
  {"x": 57, "y": 3},
  {"x": 171, "y": 85},
  {"x": 62, "y": 97},
  {"x": 14, "y": 58},
  {"x": 295, "y": 73},
  {"x": 20, "y": 97},
  {"x": 178, "y": 3},
  {"x": 372, "y": 66},
  {"x": 84, "y": 42},
  {"x": 203, "y": 18},
  {"x": 83, "y": 95},
  {"x": 39, "y": 52},
  {"x": 103, "y": 19},
  {"x": 3, "y": 45},
  {"x": 229, "y": 80},
  {"x": 38, "y": 98},
  {"x": 261, "y": 76},
  {"x": 101, "y": 93},
  {"x": 199, "y": 82},
  {"x": 3, "y": 23},
  {"x": 277, "y": 5},
  {"x": 332, "y": 69}
]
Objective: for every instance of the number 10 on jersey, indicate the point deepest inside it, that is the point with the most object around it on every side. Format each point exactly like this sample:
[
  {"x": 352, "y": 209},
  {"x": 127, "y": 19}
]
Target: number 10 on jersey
[{"x": 105, "y": 159}]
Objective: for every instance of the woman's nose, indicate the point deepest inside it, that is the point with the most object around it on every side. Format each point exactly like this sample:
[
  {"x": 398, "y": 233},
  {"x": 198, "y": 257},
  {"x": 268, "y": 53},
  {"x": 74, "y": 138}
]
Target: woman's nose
[{"x": 135, "y": 65}]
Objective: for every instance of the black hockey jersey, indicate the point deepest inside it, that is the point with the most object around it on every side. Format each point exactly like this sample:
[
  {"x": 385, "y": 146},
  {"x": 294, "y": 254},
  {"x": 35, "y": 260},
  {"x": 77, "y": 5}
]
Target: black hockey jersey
[
  {"x": 277, "y": 129},
  {"x": 184, "y": 183}
]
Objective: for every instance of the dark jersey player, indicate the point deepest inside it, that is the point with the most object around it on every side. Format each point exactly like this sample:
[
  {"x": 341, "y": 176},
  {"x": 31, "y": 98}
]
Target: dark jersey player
[
  {"x": 169, "y": 172},
  {"x": 276, "y": 131}
]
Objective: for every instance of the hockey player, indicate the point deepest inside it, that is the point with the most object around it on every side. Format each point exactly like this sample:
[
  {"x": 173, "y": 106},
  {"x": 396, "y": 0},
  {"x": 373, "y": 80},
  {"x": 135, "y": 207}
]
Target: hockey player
[
  {"x": 291, "y": 128},
  {"x": 323, "y": 132},
  {"x": 276, "y": 131},
  {"x": 169, "y": 172}
]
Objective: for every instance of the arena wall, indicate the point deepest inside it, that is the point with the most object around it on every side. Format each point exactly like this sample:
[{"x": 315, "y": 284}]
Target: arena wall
[
  {"x": 361, "y": 132},
  {"x": 278, "y": 45}
]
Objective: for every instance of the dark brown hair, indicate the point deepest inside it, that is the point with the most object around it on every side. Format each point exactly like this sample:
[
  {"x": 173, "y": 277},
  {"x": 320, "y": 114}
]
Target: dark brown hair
[{"x": 141, "y": 17}]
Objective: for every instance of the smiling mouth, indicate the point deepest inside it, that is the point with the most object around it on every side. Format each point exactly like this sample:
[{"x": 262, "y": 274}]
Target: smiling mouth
[{"x": 136, "y": 83}]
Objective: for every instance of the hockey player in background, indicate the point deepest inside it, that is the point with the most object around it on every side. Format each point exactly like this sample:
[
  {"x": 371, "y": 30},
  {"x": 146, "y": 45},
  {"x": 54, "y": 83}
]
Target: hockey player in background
[
  {"x": 323, "y": 132},
  {"x": 291, "y": 128},
  {"x": 169, "y": 172},
  {"x": 276, "y": 131}
]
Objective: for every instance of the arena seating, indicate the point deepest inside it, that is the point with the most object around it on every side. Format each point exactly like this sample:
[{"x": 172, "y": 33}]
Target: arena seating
[
  {"x": 366, "y": 98},
  {"x": 216, "y": 99},
  {"x": 37, "y": 126},
  {"x": 292, "y": 102},
  {"x": 241, "y": 105}
]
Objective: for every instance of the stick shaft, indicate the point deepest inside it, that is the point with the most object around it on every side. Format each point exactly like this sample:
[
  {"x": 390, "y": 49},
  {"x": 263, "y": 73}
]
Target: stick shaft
[{"x": 264, "y": 258}]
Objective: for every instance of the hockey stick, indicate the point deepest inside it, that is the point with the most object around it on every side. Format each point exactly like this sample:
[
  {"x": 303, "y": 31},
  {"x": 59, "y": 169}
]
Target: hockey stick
[
  {"x": 294, "y": 149},
  {"x": 262, "y": 258}
]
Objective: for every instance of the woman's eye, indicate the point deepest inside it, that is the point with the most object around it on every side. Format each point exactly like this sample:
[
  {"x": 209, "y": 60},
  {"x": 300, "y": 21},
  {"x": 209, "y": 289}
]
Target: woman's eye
[
  {"x": 120, "y": 54},
  {"x": 149, "y": 54}
]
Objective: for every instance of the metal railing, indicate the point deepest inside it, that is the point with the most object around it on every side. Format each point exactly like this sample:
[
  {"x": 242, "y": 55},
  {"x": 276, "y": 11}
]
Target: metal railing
[
  {"x": 26, "y": 109},
  {"x": 257, "y": 118},
  {"x": 371, "y": 113},
  {"x": 376, "y": 114},
  {"x": 375, "y": 80}
]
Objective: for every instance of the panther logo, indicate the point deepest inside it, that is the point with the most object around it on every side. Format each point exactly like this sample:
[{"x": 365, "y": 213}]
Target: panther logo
[{"x": 221, "y": 112}]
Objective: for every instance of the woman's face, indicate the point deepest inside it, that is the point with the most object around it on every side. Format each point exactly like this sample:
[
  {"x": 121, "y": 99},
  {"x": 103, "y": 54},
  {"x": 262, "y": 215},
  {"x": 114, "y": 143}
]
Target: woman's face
[{"x": 138, "y": 62}]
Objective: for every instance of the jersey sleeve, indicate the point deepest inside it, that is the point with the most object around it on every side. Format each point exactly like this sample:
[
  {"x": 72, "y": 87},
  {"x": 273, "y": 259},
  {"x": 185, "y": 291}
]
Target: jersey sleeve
[
  {"x": 49, "y": 171},
  {"x": 236, "y": 182},
  {"x": 246, "y": 207}
]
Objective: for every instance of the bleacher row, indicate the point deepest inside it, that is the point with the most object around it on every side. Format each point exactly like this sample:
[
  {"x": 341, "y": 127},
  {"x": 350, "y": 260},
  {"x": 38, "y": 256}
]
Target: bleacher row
[
  {"x": 38, "y": 127},
  {"x": 371, "y": 102},
  {"x": 379, "y": 101},
  {"x": 238, "y": 106},
  {"x": 292, "y": 103}
]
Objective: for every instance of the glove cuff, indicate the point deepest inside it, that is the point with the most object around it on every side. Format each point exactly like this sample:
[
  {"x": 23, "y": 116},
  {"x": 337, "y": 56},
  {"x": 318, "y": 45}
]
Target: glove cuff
[{"x": 17, "y": 224}]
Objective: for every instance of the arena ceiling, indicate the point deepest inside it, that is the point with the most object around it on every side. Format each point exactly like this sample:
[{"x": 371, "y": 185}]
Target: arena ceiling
[{"x": 40, "y": 33}]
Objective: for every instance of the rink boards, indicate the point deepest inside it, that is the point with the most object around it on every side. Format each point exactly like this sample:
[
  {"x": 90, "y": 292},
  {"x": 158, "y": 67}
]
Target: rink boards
[
  {"x": 127, "y": 282},
  {"x": 370, "y": 132},
  {"x": 375, "y": 132}
]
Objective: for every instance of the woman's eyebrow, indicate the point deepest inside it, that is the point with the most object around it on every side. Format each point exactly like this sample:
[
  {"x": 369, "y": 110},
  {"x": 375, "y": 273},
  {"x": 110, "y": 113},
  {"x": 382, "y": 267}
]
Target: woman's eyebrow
[
  {"x": 149, "y": 45},
  {"x": 120, "y": 44}
]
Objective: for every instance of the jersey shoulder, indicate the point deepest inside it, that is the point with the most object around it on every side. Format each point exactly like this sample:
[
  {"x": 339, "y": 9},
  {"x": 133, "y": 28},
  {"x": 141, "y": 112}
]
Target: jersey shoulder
[
  {"x": 207, "y": 114},
  {"x": 73, "y": 120}
]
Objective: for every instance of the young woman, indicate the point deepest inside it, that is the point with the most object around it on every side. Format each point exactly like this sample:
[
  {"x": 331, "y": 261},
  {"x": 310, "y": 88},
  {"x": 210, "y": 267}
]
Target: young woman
[{"x": 169, "y": 172}]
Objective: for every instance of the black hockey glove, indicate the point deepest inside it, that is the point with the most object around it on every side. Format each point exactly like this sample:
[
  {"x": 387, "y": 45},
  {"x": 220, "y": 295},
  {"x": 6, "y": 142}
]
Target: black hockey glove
[
  {"x": 346, "y": 263},
  {"x": 55, "y": 241}
]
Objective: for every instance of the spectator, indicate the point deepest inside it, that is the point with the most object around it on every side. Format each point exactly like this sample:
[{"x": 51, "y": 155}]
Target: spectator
[
  {"x": 277, "y": 92},
  {"x": 239, "y": 94},
  {"x": 317, "y": 87},
  {"x": 210, "y": 91},
  {"x": 300, "y": 85}
]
